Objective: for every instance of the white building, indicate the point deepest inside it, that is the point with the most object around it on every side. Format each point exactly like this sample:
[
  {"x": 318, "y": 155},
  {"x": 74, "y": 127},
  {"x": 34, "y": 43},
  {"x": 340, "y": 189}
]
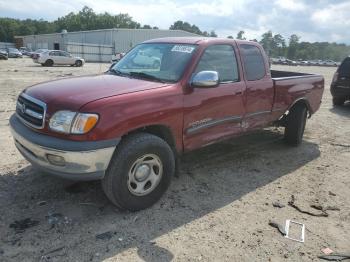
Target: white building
[{"x": 96, "y": 45}]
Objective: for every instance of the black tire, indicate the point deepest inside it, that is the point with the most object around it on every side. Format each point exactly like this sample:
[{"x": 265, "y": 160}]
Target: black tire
[
  {"x": 115, "y": 183},
  {"x": 295, "y": 125},
  {"x": 48, "y": 62},
  {"x": 338, "y": 101},
  {"x": 78, "y": 63}
]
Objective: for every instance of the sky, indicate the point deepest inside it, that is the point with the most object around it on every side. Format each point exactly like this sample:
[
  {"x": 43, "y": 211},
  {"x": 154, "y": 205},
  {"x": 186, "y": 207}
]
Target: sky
[{"x": 312, "y": 20}]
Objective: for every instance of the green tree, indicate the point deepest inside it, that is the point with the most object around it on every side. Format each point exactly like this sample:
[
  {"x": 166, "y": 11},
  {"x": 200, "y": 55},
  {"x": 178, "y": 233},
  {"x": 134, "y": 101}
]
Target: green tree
[
  {"x": 279, "y": 45},
  {"x": 293, "y": 46},
  {"x": 268, "y": 43},
  {"x": 185, "y": 26},
  {"x": 213, "y": 34},
  {"x": 240, "y": 35}
]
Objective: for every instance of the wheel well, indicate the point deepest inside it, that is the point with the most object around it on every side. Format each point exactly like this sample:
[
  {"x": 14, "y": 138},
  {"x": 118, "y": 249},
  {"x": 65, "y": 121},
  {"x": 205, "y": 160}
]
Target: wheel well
[
  {"x": 300, "y": 102},
  {"x": 161, "y": 131},
  {"x": 303, "y": 102}
]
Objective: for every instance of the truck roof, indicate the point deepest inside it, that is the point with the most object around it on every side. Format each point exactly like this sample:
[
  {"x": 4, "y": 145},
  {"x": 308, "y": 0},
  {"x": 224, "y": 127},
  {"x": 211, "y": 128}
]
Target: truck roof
[{"x": 196, "y": 40}]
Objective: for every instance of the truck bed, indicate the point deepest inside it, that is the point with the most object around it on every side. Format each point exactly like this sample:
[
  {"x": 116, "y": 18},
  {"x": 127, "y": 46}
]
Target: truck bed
[{"x": 291, "y": 86}]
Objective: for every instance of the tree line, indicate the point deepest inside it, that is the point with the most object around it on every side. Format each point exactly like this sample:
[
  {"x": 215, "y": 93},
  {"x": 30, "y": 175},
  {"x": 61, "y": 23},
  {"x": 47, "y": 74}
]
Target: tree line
[
  {"x": 276, "y": 45},
  {"x": 86, "y": 19}
]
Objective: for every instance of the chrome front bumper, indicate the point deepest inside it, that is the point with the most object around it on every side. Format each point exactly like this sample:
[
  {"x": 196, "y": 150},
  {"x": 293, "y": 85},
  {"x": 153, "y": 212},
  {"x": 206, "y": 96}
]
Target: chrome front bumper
[{"x": 79, "y": 164}]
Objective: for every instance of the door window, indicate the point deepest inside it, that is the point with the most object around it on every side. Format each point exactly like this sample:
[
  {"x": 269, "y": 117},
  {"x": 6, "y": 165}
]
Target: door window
[
  {"x": 54, "y": 53},
  {"x": 222, "y": 59},
  {"x": 64, "y": 54},
  {"x": 254, "y": 63}
]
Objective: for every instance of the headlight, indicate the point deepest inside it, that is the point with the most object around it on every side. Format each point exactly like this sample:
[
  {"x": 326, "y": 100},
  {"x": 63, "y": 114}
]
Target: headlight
[
  {"x": 69, "y": 122},
  {"x": 61, "y": 121}
]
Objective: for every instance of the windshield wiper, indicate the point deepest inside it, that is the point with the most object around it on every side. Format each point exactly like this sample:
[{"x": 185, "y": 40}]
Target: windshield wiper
[
  {"x": 118, "y": 72},
  {"x": 146, "y": 76}
]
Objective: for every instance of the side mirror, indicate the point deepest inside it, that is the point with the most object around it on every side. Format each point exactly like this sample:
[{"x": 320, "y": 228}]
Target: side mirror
[{"x": 205, "y": 79}]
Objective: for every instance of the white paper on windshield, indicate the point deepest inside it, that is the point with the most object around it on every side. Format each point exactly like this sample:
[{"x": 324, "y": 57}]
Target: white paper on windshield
[{"x": 182, "y": 48}]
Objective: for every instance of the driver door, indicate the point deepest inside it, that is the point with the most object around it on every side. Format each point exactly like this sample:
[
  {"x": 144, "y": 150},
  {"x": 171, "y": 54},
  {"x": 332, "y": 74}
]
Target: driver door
[{"x": 215, "y": 113}]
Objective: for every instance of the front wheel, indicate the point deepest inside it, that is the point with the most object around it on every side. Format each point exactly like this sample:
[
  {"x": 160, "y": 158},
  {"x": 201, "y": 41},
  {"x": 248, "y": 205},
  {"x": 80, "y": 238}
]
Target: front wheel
[
  {"x": 78, "y": 63},
  {"x": 295, "y": 125},
  {"x": 49, "y": 62},
  {"x": 140, "y": 172}
]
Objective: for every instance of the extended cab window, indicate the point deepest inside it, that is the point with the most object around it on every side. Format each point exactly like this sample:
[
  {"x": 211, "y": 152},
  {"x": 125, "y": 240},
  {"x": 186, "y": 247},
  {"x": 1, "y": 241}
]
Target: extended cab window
[
  {"x": 222, "y": 59},
  {"x": 254, "y": 63}
]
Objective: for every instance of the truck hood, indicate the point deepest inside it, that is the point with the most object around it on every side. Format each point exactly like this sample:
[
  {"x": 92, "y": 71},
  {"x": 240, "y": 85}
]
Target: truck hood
[{"x": 73, "y": 93}]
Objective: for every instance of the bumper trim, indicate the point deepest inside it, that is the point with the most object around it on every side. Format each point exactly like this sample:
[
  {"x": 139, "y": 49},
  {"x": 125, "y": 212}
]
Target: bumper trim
[
  {"x": 340, "y": 91},
  {"x": 86, "y": 164}
]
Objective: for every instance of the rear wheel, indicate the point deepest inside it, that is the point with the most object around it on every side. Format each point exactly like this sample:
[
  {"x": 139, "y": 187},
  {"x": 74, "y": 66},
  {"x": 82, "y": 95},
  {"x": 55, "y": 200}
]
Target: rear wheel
[
  {"x": 78, "y": 63},
  {"x": 338, "y": 101},
  {"x": 295, "y": 125},
  {"x": 49, "y": 62},
  {"x": 140, "y": 172}
]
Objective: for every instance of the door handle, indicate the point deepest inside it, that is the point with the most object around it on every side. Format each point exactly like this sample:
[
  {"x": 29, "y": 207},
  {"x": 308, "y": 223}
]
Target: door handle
[{"x": 239, "y": 93}]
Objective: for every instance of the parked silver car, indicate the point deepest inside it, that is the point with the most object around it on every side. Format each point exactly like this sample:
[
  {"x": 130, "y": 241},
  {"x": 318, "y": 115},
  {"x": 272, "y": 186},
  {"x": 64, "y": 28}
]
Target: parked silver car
[
  {"x": 14, "y": 53},
  {"x": 3, "y": 54},
  {"x": 329, "y": 63},
  {"x": 58, "y": 57}
]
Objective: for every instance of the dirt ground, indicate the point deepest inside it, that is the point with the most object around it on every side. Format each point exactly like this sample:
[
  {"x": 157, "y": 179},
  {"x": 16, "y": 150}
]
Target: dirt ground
[{"x": 217, "y": 210}]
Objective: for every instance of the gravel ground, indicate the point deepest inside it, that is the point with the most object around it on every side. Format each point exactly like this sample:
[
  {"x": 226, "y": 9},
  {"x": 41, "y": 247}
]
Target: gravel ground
[{"x": 217, "y": 210}]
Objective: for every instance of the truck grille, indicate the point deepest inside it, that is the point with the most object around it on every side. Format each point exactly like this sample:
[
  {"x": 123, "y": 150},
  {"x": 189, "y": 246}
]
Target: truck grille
[{"x": 31, "y": 111}]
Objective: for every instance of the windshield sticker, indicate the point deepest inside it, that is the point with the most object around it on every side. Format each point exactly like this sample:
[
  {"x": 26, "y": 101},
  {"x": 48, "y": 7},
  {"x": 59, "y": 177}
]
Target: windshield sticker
[{"x": 182, "y": 48}]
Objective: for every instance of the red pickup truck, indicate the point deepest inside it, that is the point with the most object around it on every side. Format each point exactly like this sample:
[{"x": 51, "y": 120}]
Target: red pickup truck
[{"x": 165, "y": 97}]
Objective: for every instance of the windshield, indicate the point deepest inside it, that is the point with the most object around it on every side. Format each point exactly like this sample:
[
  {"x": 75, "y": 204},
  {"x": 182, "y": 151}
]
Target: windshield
[{"x": 156, "y": 61}]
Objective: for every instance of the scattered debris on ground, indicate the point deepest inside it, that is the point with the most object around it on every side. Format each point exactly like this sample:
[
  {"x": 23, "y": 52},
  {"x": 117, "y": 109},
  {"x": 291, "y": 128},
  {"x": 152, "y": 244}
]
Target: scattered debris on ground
[
  {"x": 323, "y": 210},
  {"x": 21, "y": 225},
  {"x": 326, "y": 251},
  {"x": 301, "y": 236},
  {"x": 278, "y": 204},
  {"x": 335, "y": 257},
  {"x": 331, "y": 193},
  {"x": 56, "y": 219},
  {"x": 280, "y": 228},
  {"x": 41, "y": 203},
  {"x": 106, "y": 235},
  {"x": 64, "y": 75},
  {"x": 341, "y": 145},
  {"x": 48, "y": 255}
]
